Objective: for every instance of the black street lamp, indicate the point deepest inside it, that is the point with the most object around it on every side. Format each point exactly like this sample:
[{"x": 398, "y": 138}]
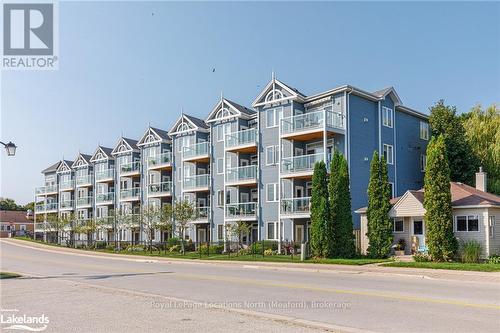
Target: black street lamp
[{"x": 10, "y": 148}]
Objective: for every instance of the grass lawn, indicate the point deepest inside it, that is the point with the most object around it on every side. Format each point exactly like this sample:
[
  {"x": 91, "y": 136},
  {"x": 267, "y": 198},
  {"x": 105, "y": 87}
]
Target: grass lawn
[
  {"x": 8, "y": 275},
  {"x": 447, "y": 265}
]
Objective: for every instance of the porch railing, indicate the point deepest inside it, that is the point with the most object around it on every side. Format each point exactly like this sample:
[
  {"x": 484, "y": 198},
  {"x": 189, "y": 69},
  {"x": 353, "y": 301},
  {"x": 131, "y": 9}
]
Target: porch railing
[
  {"x": 104, "y": 174},
  {"x": 311, "y": 120},
  {"x": 162, "y": 159},
  {"x": 241, "y": 209},
  {"x": 104, "y": 197},
  {"x": 245, "y": 137},
  {"x": 83, "y": 180},
  {"x": 198, "y": 149},
  {"x": 296, "y": 205},
  {"x": 84, "y": 201},
  {"x": 198, "y": 181},
  {"x": 301, "y": 163},
  {"x": 160, "y": 188},
  {"x": 242, "y": 173},
  {"x": 131, "y": 193},
  {"x": 130, "y": 167}
]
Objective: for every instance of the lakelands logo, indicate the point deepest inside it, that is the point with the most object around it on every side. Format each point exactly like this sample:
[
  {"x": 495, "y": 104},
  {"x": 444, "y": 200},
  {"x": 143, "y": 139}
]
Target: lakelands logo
[
  {"x": 10, "y": 319},
  {"x": 30, "y": 35}
]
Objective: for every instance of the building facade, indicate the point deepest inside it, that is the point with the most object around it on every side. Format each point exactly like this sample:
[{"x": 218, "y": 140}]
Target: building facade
[{"x": 242, "y": 164}]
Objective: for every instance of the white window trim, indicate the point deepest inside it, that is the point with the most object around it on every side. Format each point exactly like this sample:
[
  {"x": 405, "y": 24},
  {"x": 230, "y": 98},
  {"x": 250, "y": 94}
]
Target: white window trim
[
  {"x": 491, "y": 225},
  {"x": 392, "y": 153},
  {"x": 220, "y": 203},
  {"x": 276, "y": 111},
  {"x": 423, "y": 162},
  {"x": 426, "y": 136},
  {"x": 387, "y": 117},
  {"x": 467, "y": 223},
  {"x": 275, "y": 188},
  {"x": 394, "y": 226},
  {"x": 273, "y": 162},
  {"x": 221, "y": 171},
  {"x": 275, "y": 224},
  {"x": 392, "y": 189}
]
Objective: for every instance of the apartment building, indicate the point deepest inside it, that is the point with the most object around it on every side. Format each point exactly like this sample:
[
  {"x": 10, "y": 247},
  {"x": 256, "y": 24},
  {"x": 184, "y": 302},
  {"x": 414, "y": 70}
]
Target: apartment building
[{"x": 243, "y": 164}]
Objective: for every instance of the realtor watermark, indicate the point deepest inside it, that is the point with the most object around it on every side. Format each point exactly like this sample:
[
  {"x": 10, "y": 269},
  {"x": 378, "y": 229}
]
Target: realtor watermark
[
  {"x": 13, "y": 319},
  {"x": 30, "y": 36},
  {"x": 253, "y": 305}
]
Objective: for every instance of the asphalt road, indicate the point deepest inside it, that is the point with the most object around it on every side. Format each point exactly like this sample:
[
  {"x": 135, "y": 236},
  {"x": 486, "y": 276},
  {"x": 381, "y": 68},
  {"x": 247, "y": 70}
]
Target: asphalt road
[{"x": 91, "y": 293}]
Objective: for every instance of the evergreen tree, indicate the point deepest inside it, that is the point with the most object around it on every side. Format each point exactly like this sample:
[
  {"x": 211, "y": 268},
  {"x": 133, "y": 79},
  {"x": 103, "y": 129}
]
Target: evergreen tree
[
  {"x": 340, "y": 208},
  {"x": 320, "y": 213},
  {"x": 379, "y": 224},
  {"x": 440, "y": 239}
]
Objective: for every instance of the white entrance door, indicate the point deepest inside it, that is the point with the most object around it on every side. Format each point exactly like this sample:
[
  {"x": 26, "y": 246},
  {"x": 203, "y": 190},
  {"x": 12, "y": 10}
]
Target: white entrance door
[
  {"x": 202, "y": 235},
  {"x": 299, "y": 233}
]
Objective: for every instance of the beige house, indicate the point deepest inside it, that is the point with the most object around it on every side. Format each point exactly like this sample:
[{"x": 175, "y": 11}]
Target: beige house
[{"x": 476, "y": 216}]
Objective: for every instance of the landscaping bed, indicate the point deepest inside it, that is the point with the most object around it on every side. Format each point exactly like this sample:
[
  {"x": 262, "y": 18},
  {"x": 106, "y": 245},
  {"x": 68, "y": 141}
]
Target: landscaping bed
[{"x": 479, "y": 267}]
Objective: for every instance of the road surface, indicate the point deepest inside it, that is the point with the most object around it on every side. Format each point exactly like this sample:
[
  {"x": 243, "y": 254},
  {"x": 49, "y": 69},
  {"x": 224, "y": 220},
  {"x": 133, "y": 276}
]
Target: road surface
[{"x": 88, "y": 292}]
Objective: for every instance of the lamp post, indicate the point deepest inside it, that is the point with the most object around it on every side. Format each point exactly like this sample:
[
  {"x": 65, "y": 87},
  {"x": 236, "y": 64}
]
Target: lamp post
[{"x": 10, "y": 148}]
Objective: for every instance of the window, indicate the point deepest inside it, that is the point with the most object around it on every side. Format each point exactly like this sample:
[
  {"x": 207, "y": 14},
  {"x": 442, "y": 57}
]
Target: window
[
  {"x": 398, "y": 226},
  {"x": 387, "y": 116},
  {"x": 388, "y": 153},
  {"x": 423, "y": 162},
  {"x": 223, "y": 130},
  {"x": 220, "y": 166},
  {"x": 273, "y": 117},
  {"x": 491, "y": 224},
  {"x": 220, "y": 231},
  {"x": 272, "y": 192},
  {"x": 424, "y": 130},
  {"x": 467, "y": 223},
  {"x": 271, "y": 230},
  {"x": 270, "y": 155},
  {"x": 220, "y": 198},
  {"x": 391, "y": 188}
]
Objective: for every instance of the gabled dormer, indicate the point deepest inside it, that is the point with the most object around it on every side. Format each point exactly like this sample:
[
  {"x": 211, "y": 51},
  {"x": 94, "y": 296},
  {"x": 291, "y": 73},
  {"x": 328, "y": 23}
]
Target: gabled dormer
[
  {"x": 81, "y": 161},
  {"x": 125, "y": 146},
  {"x": 228, "y": 110},
  {"x": 188, "y": 124},
  {"x": 153, "y": 136},
  {"x": 277, "y": 92},
  {"x": 101, "y": 154},
  {"x": 389, "y": 92},
  {"x": 64, "y": 166}
]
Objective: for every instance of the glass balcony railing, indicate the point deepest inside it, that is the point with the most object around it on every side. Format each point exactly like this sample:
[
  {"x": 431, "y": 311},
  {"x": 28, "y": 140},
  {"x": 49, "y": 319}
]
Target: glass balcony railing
[
  {"x": 201, "y": 213},
  {"x": 104, "y": 197},
  {"x": 296, "y": 205},
  {"x": 66, "y": 185},
  {"x": 39, "y": 208},
  {"x": 242, "y": 209},
  {"x": 84, "y": 201},
  {"x": 104, "y": 174},
  {"x": 161, "y": 159},
  {"x": 160, "y": 188},
  {"x": 131, "y": 193},
  {"x": 311, "y": 121},
  {"x": 83, "y": 180},
  {"x": 66, "y": 204},
  {"x": 46, "y": 189},
  {"x": 242, "y": 173},
  {"x": 130, "y": 167},
  {"x": 245, "y": 137},
  {"x": 198, "y": 149},
  {"x": 105, "y": 221},
  {"x": 193, "y": 182},
  {"x": 303, "y": 163}
]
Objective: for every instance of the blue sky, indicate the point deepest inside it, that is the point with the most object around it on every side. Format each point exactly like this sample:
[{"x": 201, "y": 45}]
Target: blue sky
[{"x": 125, "y": 65}]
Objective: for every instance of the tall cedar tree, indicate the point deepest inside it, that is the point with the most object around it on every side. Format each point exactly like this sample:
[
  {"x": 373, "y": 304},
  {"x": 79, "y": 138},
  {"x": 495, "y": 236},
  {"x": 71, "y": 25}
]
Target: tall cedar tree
[
  {"x": 443, "y": 120},
  {"x": 379, "y": 224},
  {"x": 440, "y": 239},
  {"x": 321, "y": 237},
  {"x": 340, "y": 208}
]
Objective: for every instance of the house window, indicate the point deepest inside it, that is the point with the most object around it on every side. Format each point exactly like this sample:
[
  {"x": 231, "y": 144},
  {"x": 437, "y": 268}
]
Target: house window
[
  {"x": 398, "y": 226},
  {"x": 388, "y": 152},
  {"x": 423, "y": 162},
  {"x": 391, "y": 188},
  {"x": 468, "y": 223},
  {"x": 220, "y": 198},
  {"x": 270, "y": 155},
  {"x": 387, "y": 115},
  {"x": 223, "y": 130},
  {"x": 273, "y": 117},
  {"x": 220, "y": 166},
  {"x": 424, "y": 130},
  {"x": 491, "y": 224},
  {"x": 272, "y": 192},
  {"x": 271, "y": 230},
  {"x": 220, "y": 231}
]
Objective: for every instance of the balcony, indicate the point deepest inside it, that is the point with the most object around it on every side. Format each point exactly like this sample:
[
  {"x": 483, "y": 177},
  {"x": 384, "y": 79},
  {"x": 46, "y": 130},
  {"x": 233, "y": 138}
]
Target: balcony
[
  {"x": 310, "y": 125},
  {"x": 85, "y": 180},
  {"x": 161, "y": 161},
  {"x": 296, "y": 207},
  {"x": 196, "y": 183},
  {"x": 105, "y": 175},
  {"x": 46, "y": 208},
  {"x": 104, "y": 221},
  {"x": 84, "y": 202},
  {"x": 66, "y": 205},
  {"x": 44, "y": 190},
  {"x": 105, "y": 198},
  {"x": 197, "y": 152},
  {"x": 241, "y": 175},
  {"x": 243, "y": 141},
  {"x": 129, "y": 220},
  {"x": 130, "y": 194},
  {"x": 300, "y": 166},
  {"x": 241, "y": 211},
  {"x": 130, "y": 168},
  {"x": 160, "y": 189},
  {"x": 201, "y": 213},
  {"x": 66, "y": 185}
]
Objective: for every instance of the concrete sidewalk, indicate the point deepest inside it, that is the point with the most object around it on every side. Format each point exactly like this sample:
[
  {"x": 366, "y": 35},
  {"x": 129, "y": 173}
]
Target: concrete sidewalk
[{"x": 372, "y": 269}]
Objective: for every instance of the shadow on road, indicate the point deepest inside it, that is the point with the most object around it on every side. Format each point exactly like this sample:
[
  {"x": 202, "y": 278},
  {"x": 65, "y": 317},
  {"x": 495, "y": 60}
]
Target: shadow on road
[{"x": 91, "y": 277}]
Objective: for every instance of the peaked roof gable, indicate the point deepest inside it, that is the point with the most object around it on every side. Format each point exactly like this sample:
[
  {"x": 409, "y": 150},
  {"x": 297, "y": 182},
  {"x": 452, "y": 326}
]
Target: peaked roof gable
[
  {"x": 226, "y": 109},
  {"x": 52, "y": 168},
  {"x": 64, "y": 166},
  {"x": 391, "y": 92},
  {"x": 101, "y": 153},
  {"x": 410, "y": 204},
  {"x": 81, "y": 160},
  {"x": 276, "y": 91},
  {"x": 153, "y": 135},
  {"x": 125, "y": 145},
  {"x": 186, "y": 124}
]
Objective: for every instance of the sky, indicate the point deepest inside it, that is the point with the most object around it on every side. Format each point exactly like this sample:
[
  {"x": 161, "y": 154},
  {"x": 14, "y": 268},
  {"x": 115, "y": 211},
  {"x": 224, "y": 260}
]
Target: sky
[{"x": 124, "y": 65}]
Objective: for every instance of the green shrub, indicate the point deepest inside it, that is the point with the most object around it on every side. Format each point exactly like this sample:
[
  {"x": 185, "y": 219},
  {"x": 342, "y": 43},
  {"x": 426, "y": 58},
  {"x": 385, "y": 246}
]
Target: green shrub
[
  {"x": 100, "y": 245},
  {"x": 470, "y": 251},
  {"x": 135, "y": 248},
  {"x": 267, "y": 244},
  {"x": 110, "y": 247},
  {"x": 421, "y": 257},
  {"x": 494, "y": 259},
  {"x": 268, "y": 252},
  {"x": 243, "y": 252},
  {"x": 173, "y": 241},
  {"x": 174, "y": 248}
]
